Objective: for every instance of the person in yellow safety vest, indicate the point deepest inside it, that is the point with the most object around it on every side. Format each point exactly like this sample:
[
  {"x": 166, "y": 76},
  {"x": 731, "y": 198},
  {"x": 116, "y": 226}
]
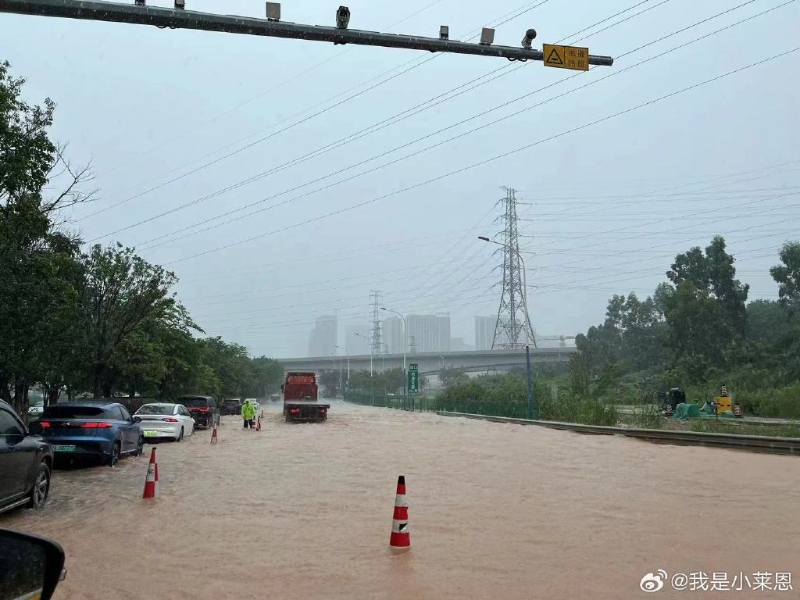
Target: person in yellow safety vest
[{"x": 248, "y": 414}]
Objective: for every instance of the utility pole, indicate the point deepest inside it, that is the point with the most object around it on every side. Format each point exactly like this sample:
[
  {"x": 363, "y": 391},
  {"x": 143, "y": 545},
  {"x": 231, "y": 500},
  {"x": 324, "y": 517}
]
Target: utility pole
[
  {"x": 138, "y": 13},
  {"x": 513, "y": 328},
  {"x": 405, "y": 344}
]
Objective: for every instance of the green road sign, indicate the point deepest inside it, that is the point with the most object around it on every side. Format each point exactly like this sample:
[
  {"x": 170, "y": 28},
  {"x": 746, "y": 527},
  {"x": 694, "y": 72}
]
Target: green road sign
[{"x": 413, "y": 378}]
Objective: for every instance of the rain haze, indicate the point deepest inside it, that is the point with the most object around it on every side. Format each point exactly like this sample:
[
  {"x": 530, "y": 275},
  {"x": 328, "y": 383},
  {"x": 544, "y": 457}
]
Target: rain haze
[{"x": 284, "y": 180}]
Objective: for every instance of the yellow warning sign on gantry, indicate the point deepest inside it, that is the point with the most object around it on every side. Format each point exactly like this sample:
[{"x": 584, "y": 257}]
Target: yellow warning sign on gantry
[{"x": 566, "y": 57}]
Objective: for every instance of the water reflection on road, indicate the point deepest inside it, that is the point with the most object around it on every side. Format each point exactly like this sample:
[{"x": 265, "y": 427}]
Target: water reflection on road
[{"x": 496, "y": 511}]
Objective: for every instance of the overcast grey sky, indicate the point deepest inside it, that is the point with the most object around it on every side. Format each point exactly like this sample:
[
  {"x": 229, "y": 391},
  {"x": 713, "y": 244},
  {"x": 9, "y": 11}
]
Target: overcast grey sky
[{"x": 610, "y": 204}]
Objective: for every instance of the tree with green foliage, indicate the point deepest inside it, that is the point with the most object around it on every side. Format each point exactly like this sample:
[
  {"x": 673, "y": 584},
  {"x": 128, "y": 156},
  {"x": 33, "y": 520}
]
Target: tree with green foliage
[
  {"x": 232, "y": 366},
  {"x": 452, "y": 376},
  {"x": 787, "y": 276},
  {"x": 389, "y": 381},
  {"x": 329, "y": 380},
  {"x": 697, "y": 331},
  {"x": 766, "y": 322},
  {"x": 121, "y": 292},
  {"x": 39, "y": 264},
  {"x": 704, "y": 308},
  {"x": 268, "y": 375}
]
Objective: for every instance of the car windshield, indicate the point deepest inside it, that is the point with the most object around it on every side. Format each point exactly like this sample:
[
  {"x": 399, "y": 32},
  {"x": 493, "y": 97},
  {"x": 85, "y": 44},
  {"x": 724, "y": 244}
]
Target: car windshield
[
  {"x": 66, "y": 411},
  {"x": 156, "y": 409},
  {"x": 194, "y": 402}
]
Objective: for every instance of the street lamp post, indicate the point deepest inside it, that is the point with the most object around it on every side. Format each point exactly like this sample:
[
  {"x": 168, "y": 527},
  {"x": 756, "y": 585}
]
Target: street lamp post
[
  {"x": 347, "y": 354},
  {"x": 371, "y": 382},
  {"x": 370, "y": 355},
  {"x": 347, "y": 381},
  {"x": 527, "y": 347},
  {"x": 333, "y": 369},
  {"x": 405, "y": 343}
]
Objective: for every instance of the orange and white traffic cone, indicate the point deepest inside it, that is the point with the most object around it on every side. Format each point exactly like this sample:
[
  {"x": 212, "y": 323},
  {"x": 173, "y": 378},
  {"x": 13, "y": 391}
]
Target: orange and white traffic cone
[
  {"x": 214, "y": 438},
  {"x": 152, "y": 477},
  {"x": 400, "y": 537}
]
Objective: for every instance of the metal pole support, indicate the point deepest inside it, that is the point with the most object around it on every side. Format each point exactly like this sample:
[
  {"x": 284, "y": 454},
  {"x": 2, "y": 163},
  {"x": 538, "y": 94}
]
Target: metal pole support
[{"x": 530, "y": 383}]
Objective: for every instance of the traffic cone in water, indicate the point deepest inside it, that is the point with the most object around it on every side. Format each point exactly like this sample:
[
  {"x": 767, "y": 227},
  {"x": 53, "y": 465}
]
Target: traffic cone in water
[
  {"x": 152, "y": 477},
  {"x": 258, "y": 423},
  {"x": 214, "y": 438},
  {"x": 400, "y": 537}
]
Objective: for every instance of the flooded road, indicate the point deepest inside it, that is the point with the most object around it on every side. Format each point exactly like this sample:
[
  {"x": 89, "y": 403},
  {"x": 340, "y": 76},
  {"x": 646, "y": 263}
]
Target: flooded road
[{"x": 496, "y": 511}]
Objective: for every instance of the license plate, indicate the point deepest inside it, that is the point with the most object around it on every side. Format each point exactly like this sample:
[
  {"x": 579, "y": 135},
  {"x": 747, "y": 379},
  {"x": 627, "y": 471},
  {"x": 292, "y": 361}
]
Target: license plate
[
  {"x": 63, "y": 448},
  {"x": 150, "y": 433}
]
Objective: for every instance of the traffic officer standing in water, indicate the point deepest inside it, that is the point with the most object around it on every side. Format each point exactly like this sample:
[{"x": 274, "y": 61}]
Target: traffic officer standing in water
[{"x": 248, "y": 414}]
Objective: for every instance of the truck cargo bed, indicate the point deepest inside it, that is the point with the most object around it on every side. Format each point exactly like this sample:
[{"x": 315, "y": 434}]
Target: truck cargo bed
[{"x": 305, "y": 410}]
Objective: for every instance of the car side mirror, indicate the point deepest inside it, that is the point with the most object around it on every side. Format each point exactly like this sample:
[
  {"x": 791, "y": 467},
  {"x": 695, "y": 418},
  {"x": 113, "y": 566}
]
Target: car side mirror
[
  {"x": 137, "y": 419},
  {"x": 15, "y": 438},
  {"x": 32, "y": 565}
]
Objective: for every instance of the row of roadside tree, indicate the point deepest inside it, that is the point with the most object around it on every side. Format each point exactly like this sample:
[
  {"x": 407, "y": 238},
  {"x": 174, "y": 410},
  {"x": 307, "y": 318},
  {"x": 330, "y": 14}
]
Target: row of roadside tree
[{"x": 97, "y": 320}]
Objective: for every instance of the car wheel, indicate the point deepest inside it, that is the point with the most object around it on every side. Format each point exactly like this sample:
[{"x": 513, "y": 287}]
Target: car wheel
[
  {"x": 180, "y": 437},
  {"x": 114, "y": 458},
  {"x": 140, "y": 446},
  {"x": 41, "y": 487}
]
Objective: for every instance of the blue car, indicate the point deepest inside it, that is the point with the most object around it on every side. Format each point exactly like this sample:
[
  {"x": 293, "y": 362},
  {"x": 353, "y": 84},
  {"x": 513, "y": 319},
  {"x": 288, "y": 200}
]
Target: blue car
[{"x": 96, "y": 429}]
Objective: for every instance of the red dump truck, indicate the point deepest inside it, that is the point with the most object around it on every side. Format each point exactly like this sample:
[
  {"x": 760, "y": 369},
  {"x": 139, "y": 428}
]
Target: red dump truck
[{"x": 300, "y": 398}]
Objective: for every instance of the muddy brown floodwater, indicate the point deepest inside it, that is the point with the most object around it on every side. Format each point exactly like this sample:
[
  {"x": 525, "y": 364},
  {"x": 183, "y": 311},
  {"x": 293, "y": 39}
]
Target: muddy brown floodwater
[{"x": 496, "y": 511}]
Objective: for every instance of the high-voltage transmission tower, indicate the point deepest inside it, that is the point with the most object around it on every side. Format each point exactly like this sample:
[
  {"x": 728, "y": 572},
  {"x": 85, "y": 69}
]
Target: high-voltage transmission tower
[
  {"x": 375, "y": 301},
  {"x": 513, "y": 328}
]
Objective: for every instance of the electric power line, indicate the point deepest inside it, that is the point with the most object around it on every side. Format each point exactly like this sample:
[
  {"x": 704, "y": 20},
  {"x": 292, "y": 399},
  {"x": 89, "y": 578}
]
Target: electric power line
[
  {"x": 375, "y": 127},
  {"x": 492, "y": 159},
  {"x": 162, "y": 241},
  {"x": 295, "y": 124}
]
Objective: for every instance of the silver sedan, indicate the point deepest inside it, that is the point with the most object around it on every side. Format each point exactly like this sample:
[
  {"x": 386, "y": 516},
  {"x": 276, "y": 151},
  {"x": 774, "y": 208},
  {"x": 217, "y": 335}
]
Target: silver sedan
[{"x": 164, "y": 421}]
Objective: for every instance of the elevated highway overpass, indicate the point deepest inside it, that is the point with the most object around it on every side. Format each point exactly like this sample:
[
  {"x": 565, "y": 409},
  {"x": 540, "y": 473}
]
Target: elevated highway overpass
[{"x": 431, "y": 362}]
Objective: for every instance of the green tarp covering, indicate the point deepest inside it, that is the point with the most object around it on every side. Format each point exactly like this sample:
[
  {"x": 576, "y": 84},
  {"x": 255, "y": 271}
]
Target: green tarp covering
[{"x": 686, "y": 411}]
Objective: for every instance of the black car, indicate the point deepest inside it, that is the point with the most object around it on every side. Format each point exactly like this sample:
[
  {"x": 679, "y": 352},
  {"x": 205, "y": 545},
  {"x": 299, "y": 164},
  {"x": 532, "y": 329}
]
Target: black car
[
  {"x": 231, "y": 407},
  {"x": 26, "y": 462},
  {"x": 202, "y": 408}
]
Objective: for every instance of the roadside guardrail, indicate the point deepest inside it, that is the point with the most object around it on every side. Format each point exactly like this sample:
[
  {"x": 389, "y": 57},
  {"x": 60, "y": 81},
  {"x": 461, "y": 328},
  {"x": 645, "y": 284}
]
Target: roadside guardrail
[{"x": 751, "y": 443}]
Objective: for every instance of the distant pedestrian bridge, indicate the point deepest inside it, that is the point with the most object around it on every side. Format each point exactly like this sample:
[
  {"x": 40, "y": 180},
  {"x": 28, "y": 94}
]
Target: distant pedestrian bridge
[{"x": 431, "y": 362}]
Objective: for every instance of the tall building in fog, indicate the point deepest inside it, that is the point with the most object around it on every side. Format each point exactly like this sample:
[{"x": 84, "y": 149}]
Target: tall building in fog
[
  {"x": 426, "y": 333},
  {"x": 323, "y": 338},
  {"x": 484, "y": 332},
  {"x": 357, "y": 344},
  {"x": 393, "y": 335},
  {"x": 429, "y": 333}
]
